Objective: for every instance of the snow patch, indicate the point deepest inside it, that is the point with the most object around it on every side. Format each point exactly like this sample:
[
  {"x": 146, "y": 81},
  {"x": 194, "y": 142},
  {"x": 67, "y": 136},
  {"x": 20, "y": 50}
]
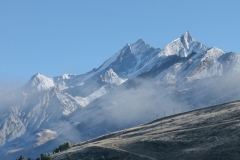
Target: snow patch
[
  {"x": 13, "y": 151},
  {"x": 44, "y": 136},
  {"x": 41, "y": 82},
  {"x": 111, "y": 77}
]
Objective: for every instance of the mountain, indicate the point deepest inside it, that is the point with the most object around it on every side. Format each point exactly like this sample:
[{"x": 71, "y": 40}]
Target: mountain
[{"x": 137, "y": 83}]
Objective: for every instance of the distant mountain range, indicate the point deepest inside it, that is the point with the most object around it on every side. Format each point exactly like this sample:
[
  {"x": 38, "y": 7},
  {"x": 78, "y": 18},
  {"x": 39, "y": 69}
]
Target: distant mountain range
[{"x": 135, "y": 85}]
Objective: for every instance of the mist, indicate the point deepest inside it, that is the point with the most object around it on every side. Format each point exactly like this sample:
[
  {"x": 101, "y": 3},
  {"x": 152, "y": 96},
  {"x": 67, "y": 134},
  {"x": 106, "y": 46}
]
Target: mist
[
  {"x": 140, "y": 105},
  {"x": 10, "y": 84},
  {"x": 139, "y": 101},
  {"x": 135, "y": 102}
]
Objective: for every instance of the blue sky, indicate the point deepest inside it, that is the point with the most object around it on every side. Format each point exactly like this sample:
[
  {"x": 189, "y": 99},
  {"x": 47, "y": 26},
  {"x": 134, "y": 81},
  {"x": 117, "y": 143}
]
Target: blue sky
[{"x": 60, "y": 36}]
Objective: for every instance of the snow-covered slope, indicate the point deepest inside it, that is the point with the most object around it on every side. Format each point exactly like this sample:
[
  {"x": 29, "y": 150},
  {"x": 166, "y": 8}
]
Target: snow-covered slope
[
  {"x": 39, "y": 83},
  {"x": 183, "y": 46},
  {"x": 135, "y": 84},
  {"x": 111, "y": 77}
]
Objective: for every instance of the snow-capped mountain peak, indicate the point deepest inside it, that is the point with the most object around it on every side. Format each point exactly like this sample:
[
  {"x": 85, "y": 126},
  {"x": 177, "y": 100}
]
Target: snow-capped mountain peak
[
  {"x": 131, "y": 58},
  {"x": 39, "y": 82},
  {"x": 187, "y": 39},
  {"x": 111, "y": 77},
  {"x": 139, "y": 47},
  {"x": 213, "y": 53},
  {"x": 65, "y": 76},
  {"x": 38, "y": 75},
  {"x": 138, "y": 43},
  {"x": 185, "y": 73},
  {"x": 183, "y": 46}
]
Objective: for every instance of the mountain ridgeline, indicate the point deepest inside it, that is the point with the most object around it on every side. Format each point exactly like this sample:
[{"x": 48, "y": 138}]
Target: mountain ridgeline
[{"x": 135, "y": 85}]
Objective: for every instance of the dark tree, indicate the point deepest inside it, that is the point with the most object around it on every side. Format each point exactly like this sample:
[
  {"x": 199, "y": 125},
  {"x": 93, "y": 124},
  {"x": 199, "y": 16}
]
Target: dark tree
[
  {"x": 21, "y": 158},
  {"x": 63, "y": 147}
]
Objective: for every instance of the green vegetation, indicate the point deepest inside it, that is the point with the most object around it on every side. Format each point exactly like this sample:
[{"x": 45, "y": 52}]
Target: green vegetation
[
  {"x": 60, "y": 148},
  {"x": 46, "y": 156},
  {"x": 21, "y": 158}
]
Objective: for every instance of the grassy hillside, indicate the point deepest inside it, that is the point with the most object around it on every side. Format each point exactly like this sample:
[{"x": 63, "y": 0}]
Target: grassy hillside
[{"x": 209, "y": 133}]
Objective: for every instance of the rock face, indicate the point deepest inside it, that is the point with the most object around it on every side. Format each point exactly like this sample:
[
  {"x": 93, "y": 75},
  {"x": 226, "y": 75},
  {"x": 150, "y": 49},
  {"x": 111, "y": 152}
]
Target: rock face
[{"x": 128, "y": 89}]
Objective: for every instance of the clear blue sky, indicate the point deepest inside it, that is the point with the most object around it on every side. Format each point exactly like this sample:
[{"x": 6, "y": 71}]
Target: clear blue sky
[{"x": 61, "y": 36}]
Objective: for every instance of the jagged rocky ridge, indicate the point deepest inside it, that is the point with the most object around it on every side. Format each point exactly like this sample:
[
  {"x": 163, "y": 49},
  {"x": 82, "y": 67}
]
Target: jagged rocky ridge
[{"x": 128, "y": 89}]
